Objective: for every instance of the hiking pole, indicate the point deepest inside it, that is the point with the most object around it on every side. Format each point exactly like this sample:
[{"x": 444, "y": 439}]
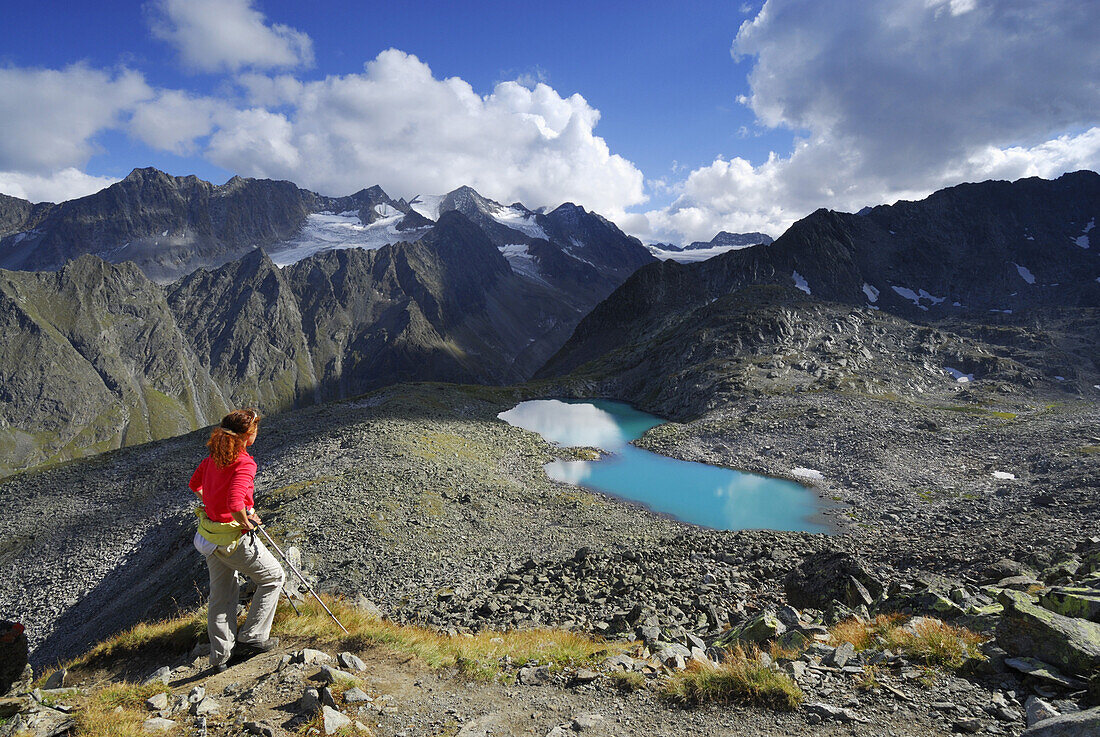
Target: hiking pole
[
  {"x": 301, "y": 578},
  {"x": 289, "y": 600}
]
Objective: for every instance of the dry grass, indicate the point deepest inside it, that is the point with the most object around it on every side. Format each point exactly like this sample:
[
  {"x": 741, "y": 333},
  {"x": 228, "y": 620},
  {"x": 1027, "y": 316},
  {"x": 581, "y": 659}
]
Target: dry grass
[
  {"x": 116, "y": 710},
  {"x": 928, "y": 641},
  {"x": 145, "y": 639},
  {"x": 741, "y": 679},
  {"x": 480, "y": 656}
]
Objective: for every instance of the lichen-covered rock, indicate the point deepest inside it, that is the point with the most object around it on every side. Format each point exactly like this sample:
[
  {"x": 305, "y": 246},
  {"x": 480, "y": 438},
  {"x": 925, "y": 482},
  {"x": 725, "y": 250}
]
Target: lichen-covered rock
[
  {"x": 1073, "y": 602},
  {"x": 1072, "y": 645}
]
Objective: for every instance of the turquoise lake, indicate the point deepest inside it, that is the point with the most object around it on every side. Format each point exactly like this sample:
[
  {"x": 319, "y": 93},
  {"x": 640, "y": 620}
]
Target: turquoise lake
[{"x": 704, "y": 495}]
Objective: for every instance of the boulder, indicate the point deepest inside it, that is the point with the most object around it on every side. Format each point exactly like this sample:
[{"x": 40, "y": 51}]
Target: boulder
[
  {"x": 310, "y": 656},
  {"x": 1073, "y": 602},
  {"x": 157, "y": 702},
  {"x": 830, "y": 576},
  {"x": 356, "y": 695},
  {"x": 352, "y": 662},
  {"x": 1038, "y": 710},
  {"x": 759, "y": 629},
  {"x": 333, "y": 721},
  {"x": 1076, "y": 724},
  {"x": 157, "y": 725},
  {"x": 206, "y": 707},
  {"x": 160, "y": 675},
  {"x": 1026, "y": 629},
  {"x": 535, "y": 675}
]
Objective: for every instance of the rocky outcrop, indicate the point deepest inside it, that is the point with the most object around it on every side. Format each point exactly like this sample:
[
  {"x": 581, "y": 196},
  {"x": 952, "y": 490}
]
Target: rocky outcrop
[
  {"x": 1070, "y": 644},
  {"x": 832, "y": 576}
]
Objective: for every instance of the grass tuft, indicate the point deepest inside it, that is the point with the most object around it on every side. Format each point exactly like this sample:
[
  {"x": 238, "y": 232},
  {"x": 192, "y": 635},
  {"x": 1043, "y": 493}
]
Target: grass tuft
[
  {"x": 742, "y": 679},
  {"x": 926, "y": 640},
  {"x": 480, "y": 656},
  {"x": 116, "y": 710}
]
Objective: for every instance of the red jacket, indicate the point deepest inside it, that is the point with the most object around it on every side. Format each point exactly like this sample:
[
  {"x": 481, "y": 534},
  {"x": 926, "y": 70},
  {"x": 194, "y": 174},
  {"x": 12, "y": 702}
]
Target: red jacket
[{"x": 225, "y": 490}]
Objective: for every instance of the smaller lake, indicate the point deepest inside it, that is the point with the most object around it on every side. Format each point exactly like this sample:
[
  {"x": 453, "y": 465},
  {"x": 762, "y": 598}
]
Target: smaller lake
[{"x": 704, "y": 495}]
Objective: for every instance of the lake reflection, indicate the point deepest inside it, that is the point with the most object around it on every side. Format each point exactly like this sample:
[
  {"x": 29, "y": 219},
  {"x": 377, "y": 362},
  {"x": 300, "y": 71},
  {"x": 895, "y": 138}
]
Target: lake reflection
[{"x": 709, "y": 496}]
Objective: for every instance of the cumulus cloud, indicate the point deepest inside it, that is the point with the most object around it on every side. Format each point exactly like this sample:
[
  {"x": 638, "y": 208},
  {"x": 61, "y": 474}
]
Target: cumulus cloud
[
  {"x": 174, "y": 120},
  {"x": 51, "y": 115},
  {"x": 896, "y": 99},
  {"x": 397, "y": 125},
  {"x": 228, "y": 35},
  {"x": 64, "y": 184}
]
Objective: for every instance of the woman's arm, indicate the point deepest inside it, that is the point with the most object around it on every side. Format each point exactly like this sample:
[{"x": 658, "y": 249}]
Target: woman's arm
[{"x": 245, "y": 520}]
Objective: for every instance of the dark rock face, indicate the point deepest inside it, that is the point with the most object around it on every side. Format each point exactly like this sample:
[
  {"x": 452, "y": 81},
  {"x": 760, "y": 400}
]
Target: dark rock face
[
  {"x": 169, "y": 226},
  {"x": 165, "y": 224},
  {"x": 953, "y": 256},
  {"x": 19, "y": 215},
  {"x": 601, "y": 243},
  {"x": 832, "y": 576}
]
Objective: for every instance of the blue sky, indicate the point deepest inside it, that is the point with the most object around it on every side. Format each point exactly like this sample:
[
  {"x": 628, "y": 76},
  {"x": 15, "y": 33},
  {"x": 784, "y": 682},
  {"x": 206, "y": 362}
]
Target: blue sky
[{"x": 712, "y": 116}]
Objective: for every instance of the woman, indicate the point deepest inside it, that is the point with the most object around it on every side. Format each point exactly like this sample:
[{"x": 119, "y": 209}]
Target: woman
[{"x": 224, "y": 482}]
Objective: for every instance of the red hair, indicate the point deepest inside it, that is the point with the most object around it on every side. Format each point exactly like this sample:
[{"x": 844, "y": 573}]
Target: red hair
[{"x": 228, "y": 439}]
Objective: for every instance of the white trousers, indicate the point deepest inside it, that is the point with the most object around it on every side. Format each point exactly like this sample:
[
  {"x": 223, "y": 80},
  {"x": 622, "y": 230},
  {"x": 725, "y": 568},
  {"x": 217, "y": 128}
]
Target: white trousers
[{"x": 251, "y": 558}]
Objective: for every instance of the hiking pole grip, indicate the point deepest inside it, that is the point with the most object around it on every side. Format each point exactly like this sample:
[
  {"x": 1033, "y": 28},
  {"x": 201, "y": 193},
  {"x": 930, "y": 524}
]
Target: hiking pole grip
[{"x": 301, "y": 578}]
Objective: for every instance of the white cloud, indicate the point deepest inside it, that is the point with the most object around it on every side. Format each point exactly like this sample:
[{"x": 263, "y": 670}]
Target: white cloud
[
  {"x": 51, "y": 115},
  {"x": 173, "y": 121},
  {"x": 228, "y": 35},
  {"x": 896, "y": 99},
  {"x": 65, "y": 184},
  {"x": 398, "y": 126}
]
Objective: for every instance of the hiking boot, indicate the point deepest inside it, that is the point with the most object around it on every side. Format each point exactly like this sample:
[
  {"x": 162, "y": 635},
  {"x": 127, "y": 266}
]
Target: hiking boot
[
  {"x": 245, "y": 650},
  {"x": 219, "y": 668}
]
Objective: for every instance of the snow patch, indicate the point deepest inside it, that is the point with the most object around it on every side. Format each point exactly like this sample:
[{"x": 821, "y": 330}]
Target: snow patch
[
  {"x": 386, "y": 210},
  {"x": 916, "y": 297},
  {"x": 800, "y": 282},
  {"x": 427, "y": 205},
  {"x": 329, "y": 231},
  {"x": 1060, "y": 378},
  {"x": 807, "y": 473},
  {"x": 520, "y": 220},
  {"x": 1025, "y": 274},
  {"x": 1006, "y": 312},
  {"x": 959, "y": 376},
  {"x": 1004, "y": 475},
  {"x": 871, "y": 292},
  {"x": 521, "y": 261}
]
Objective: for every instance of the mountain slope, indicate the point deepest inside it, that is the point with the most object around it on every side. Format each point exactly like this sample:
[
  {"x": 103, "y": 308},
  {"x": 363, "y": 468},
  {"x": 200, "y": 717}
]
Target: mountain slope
[
  {"x": 168, "y": 225},
  {"x": 980, "y": 252},
  {"x": 93, "y": 359}
]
